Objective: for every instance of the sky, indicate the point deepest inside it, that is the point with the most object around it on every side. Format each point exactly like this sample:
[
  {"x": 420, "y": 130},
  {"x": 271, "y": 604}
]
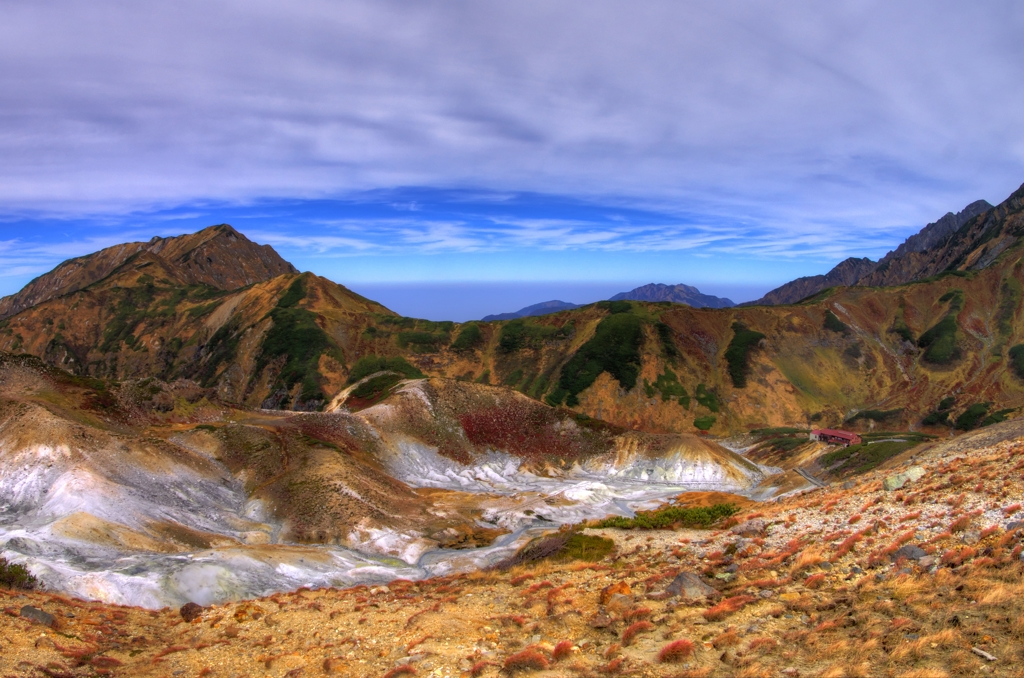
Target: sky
[{"x": 454, "y": 159}]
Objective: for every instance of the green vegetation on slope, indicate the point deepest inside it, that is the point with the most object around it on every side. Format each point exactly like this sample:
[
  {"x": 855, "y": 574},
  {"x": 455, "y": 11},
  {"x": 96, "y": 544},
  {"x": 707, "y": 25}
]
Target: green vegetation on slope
[
  {"x": 832, "y": 322},
  {"x": 13, "y": 576},
  {"x": 1017, "y": 360},
  {"x": 659, "y": 519},
  {"x": 707, "y": 398},
  {"x": 744, "y": 341},
  {"x": 864, "y": 457},
  {"x": 667, "y": 384},
  {"x": 296, "y": 337},
  {"x": 367, "y": 365},
  {"x": 470, "y": 336},
  {"x": 939, "y": 342},
  {"x": 614, "y": 348},
  {"x": 704, "y": 423},
  {"x": 875, "y": 415},
  {"x": 525, "y": 333},
  {"x": 977, "y": 416}
]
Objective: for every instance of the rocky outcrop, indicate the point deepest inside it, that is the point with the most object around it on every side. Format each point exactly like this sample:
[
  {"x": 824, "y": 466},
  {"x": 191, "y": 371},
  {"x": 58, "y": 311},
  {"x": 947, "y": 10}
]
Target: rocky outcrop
[
  {"x": 678, "y": 294},
  {"x": 919, "y": 256},
  {"x": 218, "y": 256},
  {"x": 845, "y": 273}
]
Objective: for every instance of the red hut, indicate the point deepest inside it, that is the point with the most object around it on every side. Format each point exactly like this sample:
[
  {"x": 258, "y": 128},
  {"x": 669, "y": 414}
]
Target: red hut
[{"x": 836, "y": 437}]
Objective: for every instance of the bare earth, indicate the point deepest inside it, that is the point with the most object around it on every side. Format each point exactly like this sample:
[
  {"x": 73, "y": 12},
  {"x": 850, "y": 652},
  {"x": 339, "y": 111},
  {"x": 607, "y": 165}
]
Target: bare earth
[{"x": 816, "y": 593}]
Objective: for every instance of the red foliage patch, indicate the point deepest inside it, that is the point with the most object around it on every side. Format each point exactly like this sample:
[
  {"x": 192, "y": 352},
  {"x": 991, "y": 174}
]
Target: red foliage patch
[
  {"x": 727, "y": 607},
  {"x": 526, "y": 659},
  {"x": 676, "y": 651}
]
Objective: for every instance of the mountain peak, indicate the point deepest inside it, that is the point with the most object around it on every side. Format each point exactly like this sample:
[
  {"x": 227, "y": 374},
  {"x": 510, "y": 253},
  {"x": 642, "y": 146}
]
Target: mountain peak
[
  {"x": 679, "y": 294},
  {"x": 218, "y": 255}
]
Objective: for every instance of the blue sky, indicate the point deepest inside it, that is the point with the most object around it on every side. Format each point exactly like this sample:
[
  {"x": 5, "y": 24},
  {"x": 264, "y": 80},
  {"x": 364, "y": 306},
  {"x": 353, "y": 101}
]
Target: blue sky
[{"x": 454, "y": 159}]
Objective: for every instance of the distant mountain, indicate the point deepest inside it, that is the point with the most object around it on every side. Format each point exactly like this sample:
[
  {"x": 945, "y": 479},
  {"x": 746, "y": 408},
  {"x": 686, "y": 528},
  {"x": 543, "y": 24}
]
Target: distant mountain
[
  {"x": 218, "y": 256},
  {"x": 679, "y": 294},
  {"x": 914, "y": 259},
  {"x": 543, "y": 308}
]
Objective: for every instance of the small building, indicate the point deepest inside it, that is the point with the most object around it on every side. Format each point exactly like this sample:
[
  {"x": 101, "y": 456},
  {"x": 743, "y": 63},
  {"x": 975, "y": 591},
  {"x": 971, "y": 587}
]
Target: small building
[{"x": 836, "y": 437}]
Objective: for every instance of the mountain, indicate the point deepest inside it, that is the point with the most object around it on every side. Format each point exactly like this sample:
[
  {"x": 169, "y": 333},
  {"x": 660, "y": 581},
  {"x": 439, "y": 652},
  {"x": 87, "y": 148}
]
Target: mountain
[
  {"x": 910, "y": 261},
  {"x": 845, "y": 274},
  {"x": 296, "y": 341},
  {"x": 218, "y": 256},
  {"x": 543, "y": 308},
  {"x": 678, "y": 294}
]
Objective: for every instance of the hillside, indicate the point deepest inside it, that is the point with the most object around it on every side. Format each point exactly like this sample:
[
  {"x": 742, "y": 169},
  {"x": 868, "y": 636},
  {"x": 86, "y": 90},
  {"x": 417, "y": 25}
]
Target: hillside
[
  {"x": 543, "y": 308},
  {"x": 842, "y": 581}
]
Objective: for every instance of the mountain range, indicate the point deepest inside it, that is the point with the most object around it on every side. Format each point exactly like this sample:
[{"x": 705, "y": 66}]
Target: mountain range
[{"x": 909, "y": 262}]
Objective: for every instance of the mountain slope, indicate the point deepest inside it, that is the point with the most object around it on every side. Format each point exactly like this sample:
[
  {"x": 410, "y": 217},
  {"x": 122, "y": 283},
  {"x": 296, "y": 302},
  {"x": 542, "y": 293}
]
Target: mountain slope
[
  {"x": 677, "y": 294},
  {"x": 218, "y": 256},
  {"x": 903, "y": 265},
  {"x": 543, "y": 308}
]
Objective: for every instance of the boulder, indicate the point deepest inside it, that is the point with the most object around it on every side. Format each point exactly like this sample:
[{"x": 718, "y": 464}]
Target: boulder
[
  {"x": 190, "y": 611},
  {"x": 689, "y": 585},
  {"x": 910, "y": 552},
  {"x": 38, "y": 616},
  {"x": 897, "y": 481},
  {"x": 619, "y": 587},
  {"x": 618, "y": 604},
  {"x": 749, "y": 528}
]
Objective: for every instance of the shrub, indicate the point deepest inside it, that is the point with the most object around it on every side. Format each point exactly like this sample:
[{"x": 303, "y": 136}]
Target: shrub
[
  {"x": 635, "y": 629},
  {"x": 833, "y": 323},
  {"x": 526, "y": 660},
  {"x": 614, "y": 348},
  {"x": 1017, "y": 360},
  {"x": 659, "y": 519},
  {"x": 676, "y": 651},
  {"x": 564, "y": 546},
  {"x": 14, "y": 576},
  {"x": 971, "y": 417},
  {"x": 727, "y": 607},
  {"x": 939, "y": 342},
  {"x": 562, "y": 650},
  {"x": 704, "y": 423},
  {"x": 744, "y": 341},
  {"x": 469, "y": 338}
]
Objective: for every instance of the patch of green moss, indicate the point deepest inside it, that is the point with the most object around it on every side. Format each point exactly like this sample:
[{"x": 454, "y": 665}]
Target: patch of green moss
[
  {"x": 701, "y": 517},
  {"x": 14, "y": 576},
  {"x": 743, "y": 342}
]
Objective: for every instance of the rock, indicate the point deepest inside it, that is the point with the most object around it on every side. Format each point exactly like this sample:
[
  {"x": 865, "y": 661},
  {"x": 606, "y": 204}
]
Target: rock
[
  {"x": 789, "y": 596},
  {"x": 1014, "y": 525},
  {"x": 600, "y": 621},
  {"x": 765, "y": 593},
  {"x": 927, "y": 561},
  {"x": 38, "y": 616},
  {"x": 750, "y": 528},
  {"x": 825, "y": 565},
  {"x": 731, "y": 568},
  {"x": 619, "y": 603},
  {"x": 848, "y": 485},
  {"x": 190, "y": 611},
  {"x": 689, "y": 585},
  {"x": 910, "y": 552},
  {"x": 619, "y": 587},
  {"x": 897, "y": 481}
]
